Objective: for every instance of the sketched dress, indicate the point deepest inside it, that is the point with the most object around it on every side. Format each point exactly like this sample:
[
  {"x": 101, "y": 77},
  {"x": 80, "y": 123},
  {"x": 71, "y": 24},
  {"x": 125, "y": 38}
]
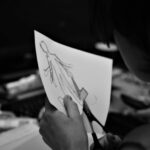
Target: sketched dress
[{"x": 60, "y": 75}]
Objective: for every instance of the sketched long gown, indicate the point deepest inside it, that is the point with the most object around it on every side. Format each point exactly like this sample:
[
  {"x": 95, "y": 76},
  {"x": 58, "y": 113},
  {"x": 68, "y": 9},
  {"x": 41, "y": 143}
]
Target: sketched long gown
[{"x": 60, "y": 75}]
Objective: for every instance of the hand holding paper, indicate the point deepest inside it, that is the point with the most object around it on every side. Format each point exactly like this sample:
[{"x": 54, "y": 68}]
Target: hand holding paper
[{"x": 68, "y": 71}]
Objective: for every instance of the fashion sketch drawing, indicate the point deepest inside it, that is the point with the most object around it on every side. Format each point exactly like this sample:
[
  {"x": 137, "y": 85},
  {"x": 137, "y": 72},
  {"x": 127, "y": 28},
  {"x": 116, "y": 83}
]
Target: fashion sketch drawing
[{"x": 60, "y": 76}]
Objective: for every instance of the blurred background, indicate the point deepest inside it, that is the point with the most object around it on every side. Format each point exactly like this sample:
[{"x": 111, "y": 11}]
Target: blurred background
[{"x": 68, "y": 22}]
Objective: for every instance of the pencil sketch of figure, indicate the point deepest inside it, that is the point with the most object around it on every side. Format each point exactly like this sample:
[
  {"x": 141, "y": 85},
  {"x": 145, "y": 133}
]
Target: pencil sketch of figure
[{"x": 61, "y": 76}]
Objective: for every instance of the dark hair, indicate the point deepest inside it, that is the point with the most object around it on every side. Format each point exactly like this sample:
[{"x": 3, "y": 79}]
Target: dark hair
[
  {"x": 128, "y": 17},
  {"x": 101, "y": 22}
]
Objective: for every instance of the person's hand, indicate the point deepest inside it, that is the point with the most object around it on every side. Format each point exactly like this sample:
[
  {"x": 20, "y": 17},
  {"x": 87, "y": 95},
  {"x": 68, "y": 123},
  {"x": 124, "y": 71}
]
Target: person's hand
[
  {"x": 63, "y": 132},
  {"x": 109, "y": 142}
]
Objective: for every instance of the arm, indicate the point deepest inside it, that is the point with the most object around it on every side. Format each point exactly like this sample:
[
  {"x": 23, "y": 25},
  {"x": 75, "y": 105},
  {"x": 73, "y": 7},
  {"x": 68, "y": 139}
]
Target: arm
[
  {"x": 68, "y": 132},
  {"x": 64, "y": 132}
]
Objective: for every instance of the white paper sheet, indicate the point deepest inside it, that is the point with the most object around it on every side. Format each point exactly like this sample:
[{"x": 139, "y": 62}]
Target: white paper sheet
[{"x": 67, "y": 71}]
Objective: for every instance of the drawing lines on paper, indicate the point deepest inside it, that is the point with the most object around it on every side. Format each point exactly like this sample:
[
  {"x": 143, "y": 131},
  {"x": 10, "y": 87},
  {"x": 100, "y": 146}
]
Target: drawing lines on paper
[
  {"x": 60, "y": 75},
  {"x": 52, "y": 59}
]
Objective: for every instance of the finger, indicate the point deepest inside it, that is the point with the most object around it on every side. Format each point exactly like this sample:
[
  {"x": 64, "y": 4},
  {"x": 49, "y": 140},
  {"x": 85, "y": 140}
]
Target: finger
[
  {"x": 42, "y": 127},
  {"x": 71, "y": 107},
  {"x": 47, "y": 119},
  {"x": 109, "y": 141},
  {"x": 46, "y": 141},
  {"x": 45, "y": 132},
  {"x": 52, "y": 118},
  {"x": 49, "y": 106},
  {"x": 113, "y": 138},
  {"x": 101, "y": 142}
]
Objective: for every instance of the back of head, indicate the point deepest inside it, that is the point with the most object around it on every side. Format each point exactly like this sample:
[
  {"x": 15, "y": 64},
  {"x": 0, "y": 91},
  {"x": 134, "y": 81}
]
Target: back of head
[{"x": 131, "y": 20}]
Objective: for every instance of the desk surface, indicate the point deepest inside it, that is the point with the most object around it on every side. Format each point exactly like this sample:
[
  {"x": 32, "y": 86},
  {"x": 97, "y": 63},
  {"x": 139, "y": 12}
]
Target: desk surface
[{"x": 26, "y": 137}]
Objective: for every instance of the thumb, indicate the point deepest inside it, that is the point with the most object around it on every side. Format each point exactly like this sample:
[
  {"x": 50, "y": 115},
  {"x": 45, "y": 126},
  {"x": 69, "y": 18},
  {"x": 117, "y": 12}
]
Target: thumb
[{"x": 71, "y": 107}]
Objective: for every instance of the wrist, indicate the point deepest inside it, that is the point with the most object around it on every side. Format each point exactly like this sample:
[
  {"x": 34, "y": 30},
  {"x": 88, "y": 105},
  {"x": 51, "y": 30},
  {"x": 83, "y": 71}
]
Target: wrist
[{"x": 80, "y": 146}]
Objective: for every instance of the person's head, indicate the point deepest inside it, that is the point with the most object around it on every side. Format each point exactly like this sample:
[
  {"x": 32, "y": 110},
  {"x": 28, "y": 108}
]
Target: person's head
[{"x": 128, "y": 22}]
